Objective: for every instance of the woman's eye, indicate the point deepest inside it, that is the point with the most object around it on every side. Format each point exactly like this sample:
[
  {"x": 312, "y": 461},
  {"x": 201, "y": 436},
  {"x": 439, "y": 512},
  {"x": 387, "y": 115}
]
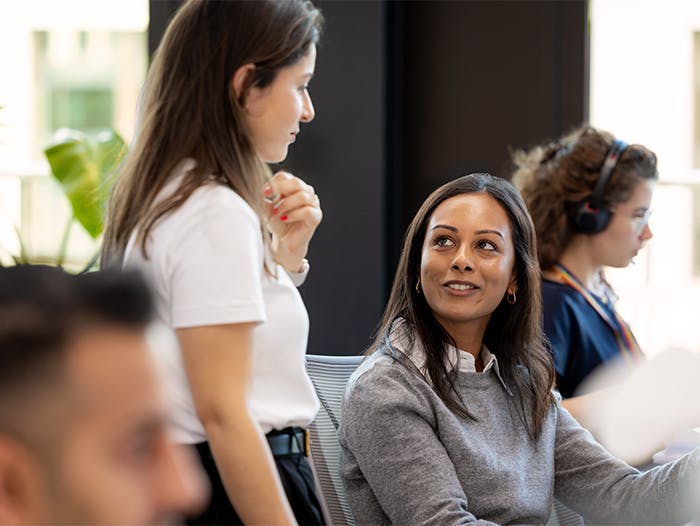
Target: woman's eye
[
  {"x": 303, "y": 88},
  {"x": 487, "y": 245},
  {"x": 443, "y": 241}
]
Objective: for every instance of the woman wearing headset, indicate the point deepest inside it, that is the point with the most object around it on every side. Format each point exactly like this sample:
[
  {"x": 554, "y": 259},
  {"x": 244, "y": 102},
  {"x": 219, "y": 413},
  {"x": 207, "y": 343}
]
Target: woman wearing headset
[{"x": 589, "y": 195}]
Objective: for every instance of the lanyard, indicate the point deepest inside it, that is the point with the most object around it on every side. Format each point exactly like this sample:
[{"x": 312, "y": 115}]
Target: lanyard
[{"x": 625, "y": 339}]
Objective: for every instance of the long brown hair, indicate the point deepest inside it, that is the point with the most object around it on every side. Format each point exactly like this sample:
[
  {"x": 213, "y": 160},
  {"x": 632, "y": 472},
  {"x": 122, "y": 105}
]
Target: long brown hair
[
  {"x": 190, "y": 109},
  {"x": 514, "y": 332},
  {"x": 555, "y": 178}
]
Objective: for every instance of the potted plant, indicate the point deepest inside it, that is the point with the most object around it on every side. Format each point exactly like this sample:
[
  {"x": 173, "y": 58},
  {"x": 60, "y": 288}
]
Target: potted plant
[{"x": 82, "y": 166}]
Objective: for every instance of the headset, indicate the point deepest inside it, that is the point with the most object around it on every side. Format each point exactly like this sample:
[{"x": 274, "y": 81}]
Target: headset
[{"x": 591, "y": 217}]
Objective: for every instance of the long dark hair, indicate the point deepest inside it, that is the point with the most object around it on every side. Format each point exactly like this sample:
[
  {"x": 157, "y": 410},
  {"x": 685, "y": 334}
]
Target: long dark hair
[
  {"x": 556, "y": 177},
  {"x": 190, "y": 109},
  {"x": 514, "y": 332}
]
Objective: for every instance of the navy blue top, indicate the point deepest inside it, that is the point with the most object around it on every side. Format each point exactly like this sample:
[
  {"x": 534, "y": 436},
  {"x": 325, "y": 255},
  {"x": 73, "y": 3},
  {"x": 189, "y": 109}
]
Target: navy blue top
[{"x": 581, "y": 339}]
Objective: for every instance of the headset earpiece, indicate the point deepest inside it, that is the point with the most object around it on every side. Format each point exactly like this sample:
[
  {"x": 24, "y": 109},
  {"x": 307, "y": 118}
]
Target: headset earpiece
[
  {"x": 591, "y": 217},
  {"x": 591, "y": 220}
]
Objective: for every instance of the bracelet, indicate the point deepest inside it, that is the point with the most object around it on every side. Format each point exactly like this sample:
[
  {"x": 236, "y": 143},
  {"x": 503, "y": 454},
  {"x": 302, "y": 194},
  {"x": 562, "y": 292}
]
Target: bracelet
[
  {"x": 303, "y": 268},
  {"x": 299, "y": 276}
]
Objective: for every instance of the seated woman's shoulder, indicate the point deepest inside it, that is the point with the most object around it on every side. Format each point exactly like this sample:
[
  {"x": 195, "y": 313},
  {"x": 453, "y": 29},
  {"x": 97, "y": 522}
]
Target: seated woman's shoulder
[{"x": 382, "y": 377}]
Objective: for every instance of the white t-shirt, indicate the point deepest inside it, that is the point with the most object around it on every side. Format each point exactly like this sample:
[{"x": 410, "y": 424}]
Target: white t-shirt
[{"x": 206, "y": 264}]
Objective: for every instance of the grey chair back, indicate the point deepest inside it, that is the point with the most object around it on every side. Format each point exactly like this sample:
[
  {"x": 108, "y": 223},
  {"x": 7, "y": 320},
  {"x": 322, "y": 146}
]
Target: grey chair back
[
  {"x": 562, "y": 515},
  {"x": 329, "y": 375}
]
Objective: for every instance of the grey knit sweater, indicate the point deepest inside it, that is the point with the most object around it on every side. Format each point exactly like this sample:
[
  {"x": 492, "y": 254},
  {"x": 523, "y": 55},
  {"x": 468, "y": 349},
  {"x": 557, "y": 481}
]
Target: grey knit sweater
[{"x": 408, "y": 459}]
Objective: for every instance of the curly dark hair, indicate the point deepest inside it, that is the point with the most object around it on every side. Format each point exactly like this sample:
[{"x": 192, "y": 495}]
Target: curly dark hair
[{"x": 556, "y": 177}]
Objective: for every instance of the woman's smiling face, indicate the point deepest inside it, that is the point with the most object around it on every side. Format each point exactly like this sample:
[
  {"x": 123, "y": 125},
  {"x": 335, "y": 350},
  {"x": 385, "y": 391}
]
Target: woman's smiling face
[{"x": 467, "y": 260}]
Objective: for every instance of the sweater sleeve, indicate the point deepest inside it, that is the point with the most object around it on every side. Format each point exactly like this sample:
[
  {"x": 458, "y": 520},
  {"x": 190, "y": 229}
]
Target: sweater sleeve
[
  {"x": 394, "y": 467},
  {"x": 604, "y": 488}
]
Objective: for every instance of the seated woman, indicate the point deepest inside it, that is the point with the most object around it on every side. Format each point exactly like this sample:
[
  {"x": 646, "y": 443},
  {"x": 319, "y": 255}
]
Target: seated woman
[
  {"x": 589, "y": 197},
  {"x": 452, "y": 419}
]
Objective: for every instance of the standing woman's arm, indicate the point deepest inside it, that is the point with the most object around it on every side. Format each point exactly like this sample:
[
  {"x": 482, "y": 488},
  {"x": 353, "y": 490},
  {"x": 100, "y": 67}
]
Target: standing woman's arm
[{"x": 218, "y": 362}]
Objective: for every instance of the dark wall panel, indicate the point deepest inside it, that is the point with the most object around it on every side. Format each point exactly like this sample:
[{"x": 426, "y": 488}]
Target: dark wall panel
[
  {"x": 160, "y": 12},
  {"x": 341, "y": 153},
  {"x": 481, "y": 77}
]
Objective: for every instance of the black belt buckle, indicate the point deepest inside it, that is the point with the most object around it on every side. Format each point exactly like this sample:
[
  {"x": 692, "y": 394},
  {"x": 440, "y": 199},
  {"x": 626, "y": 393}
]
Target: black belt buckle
[
  {"x": 307, "y": 443},
  {"x": 289, "y": 441}
]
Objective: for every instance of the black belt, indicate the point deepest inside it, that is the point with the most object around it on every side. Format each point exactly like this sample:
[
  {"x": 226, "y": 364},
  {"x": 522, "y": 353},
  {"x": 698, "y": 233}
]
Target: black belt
[{"x": 289, "y": 441}]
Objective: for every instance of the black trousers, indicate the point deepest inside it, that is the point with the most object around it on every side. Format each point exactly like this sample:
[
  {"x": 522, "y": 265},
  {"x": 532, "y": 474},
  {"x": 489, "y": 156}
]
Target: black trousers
[{"x": 297, "y": 480}]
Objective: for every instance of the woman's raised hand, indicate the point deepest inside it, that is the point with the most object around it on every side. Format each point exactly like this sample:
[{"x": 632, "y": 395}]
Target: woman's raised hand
[{"x": 293, "y": 211}]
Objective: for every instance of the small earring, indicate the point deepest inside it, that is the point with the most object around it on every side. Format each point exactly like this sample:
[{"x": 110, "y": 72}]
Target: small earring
[
  {"x": 510, "y": 297},
  {"x": 418, "y": 286}
]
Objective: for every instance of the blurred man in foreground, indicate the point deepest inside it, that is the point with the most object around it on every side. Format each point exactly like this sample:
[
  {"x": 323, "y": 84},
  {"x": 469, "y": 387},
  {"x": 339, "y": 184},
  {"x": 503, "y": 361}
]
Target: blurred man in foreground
[{"x": 82, "y": 428}]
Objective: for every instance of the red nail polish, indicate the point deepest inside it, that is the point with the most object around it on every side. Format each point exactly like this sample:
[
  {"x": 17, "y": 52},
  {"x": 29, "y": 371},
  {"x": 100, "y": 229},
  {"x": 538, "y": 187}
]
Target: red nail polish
[
  {"x": 267, "y": 191},
  {"x": 275, "y": 211},
  {"x": 283, "y": 218}
]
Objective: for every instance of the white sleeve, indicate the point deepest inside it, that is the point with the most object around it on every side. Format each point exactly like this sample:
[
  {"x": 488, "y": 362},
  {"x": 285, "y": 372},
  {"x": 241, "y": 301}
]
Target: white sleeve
[{"x": 216, "y": 263}]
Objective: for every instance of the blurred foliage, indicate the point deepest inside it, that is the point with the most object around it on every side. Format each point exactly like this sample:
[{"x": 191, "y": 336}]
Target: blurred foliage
[{"x": 82, "y": 166}]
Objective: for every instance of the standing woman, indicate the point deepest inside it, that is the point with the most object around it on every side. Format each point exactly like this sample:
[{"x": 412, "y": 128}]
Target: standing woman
[
  {"x": 589, "y": 195},
  {"x": 224, "y": 244}
]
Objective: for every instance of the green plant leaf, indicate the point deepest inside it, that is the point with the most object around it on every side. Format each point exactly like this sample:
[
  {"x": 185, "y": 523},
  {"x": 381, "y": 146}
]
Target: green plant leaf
[{"x": 82, "y": 166}]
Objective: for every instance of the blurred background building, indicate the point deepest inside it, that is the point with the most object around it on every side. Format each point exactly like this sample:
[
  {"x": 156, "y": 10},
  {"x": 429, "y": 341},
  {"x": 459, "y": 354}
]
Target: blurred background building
[{"x": 70, "y": 64}]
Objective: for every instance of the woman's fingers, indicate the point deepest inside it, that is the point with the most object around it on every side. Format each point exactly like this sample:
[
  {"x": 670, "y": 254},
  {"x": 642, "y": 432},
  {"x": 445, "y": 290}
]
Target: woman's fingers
[
  {"x": 310, "y": 215},
  {"x": 293, "y": 211},
  {"x": 289, "y": 199},
  {"x": 290, "y": 203},
  {"x": 283, "y": 184}
]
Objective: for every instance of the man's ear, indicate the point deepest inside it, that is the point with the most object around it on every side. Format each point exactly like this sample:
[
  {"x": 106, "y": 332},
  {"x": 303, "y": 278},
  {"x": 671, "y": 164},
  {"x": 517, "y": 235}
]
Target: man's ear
[
  {"x": 242, "y": 80},
  {"x": 20, "y": 483}
]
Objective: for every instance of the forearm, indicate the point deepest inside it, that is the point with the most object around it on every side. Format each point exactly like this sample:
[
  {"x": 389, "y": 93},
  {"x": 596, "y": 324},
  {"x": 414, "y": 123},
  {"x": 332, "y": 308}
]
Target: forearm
[
  {"x": 248, "y": 472},
  {"x": 605, "y": 489},
  {"x": 587, "y": 408},
  {"x": 218, "y": 362}
]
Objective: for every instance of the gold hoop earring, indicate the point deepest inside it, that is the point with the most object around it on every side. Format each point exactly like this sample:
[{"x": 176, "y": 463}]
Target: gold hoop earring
[
  {"x": 418, "y": 286},
  {"x": 510, "y": 297}
]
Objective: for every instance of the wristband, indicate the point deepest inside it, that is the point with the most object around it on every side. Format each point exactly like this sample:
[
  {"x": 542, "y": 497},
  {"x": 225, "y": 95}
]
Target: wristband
[{"x": 299, "y": 276}]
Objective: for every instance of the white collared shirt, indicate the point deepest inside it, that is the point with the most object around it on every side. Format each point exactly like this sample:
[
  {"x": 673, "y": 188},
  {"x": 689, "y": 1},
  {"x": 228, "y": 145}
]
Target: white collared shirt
[
  {"x": 403, "y": 339},
  {"x": 467, "y": 361}
]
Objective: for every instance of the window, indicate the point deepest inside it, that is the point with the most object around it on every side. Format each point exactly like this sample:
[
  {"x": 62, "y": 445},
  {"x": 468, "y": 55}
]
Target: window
[
  {"x": 696, "y": 100},
  {"x": 74, "y": 64},
  {"x": 647, "y": 90}
]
